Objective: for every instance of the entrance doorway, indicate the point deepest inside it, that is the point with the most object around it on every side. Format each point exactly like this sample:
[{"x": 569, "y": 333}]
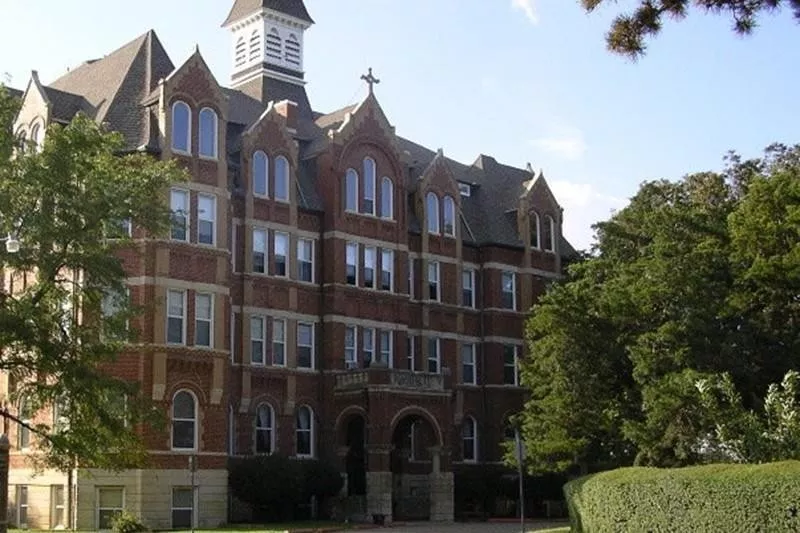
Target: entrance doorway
[
  {"x": 356, "y": 459},
  {"x": 411, "y": 465}
]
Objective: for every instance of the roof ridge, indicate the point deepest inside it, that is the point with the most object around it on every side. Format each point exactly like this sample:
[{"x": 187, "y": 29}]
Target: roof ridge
[{"x": 94, "y": 62}]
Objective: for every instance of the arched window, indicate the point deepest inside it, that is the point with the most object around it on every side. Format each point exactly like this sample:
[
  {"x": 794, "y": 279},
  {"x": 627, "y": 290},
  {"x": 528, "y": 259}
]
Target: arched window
[
  {"x": 36, "y": 137},
  {"x": 449, "y": 216},
  {"x": 432, "y": 212},
  {"x": 304, "y": 430},
  {"x": 260, "y": 174},
  {"x": 534, "y": 222},
  {"x": 469, "y": 439},
  {"x": 240, "y": 53},
  {"x": 293, "y": 50},
  {"x": 387, "y": 198},
  {"x": 20, "y": 139},
  {"x": 281, "y": 179},
  {"x": 549, "y": 234},
  {"x": 274, "y": 45},
  {"x": 184, "y": 421},
  {"x": 368, "y": 202},
  {"x": 265, "y": 429},
  {"x": 181, "y": 127},
  {"x": 208, "y": 132},
  {"x": 255, "y": 46},
  {"x": 351, "y": 191}
]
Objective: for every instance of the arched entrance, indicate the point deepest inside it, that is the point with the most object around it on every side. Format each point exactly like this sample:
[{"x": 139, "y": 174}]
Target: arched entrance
[
  {"x": 356, "y": 458},
  {"x": 415, "y": 445}
]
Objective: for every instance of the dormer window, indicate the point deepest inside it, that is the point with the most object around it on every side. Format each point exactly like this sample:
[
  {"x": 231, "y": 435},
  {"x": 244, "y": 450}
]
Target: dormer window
[
  {"x": 351, "y": 191},
  {"x": 293, "y": 51},
  {"x": 260, "y": 174},
  {"x": 449, "y": 216},
  {"x": 534, "y": 222},
  {"x": 549, "y": 233},
  {"x": 274, "y": 45},
  {"x": 387, "y": 198},
  {"x": 208, "y": 133},
  {"x": 464, "y": 189},
  {"x": 281, "y": 179},
  {"x": 432, "y": 212},
  {"x": 240, "y": 53},
  {"x": 181, "y": 127},
  {"x": 255, "y": 46}
]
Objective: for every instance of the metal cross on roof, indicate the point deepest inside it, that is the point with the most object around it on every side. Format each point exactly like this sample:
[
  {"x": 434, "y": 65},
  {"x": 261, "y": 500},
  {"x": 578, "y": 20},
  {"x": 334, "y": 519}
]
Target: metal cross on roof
[{"x": 370, "y": 79}]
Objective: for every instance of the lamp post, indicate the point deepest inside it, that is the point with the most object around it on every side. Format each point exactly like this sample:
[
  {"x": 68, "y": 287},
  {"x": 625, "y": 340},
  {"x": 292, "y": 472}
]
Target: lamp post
[{"x": 12, "y": 243}]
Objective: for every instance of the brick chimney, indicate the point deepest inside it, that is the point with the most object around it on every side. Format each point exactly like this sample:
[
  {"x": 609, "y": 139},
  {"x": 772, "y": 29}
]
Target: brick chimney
[{"x": 288, "y": 110}]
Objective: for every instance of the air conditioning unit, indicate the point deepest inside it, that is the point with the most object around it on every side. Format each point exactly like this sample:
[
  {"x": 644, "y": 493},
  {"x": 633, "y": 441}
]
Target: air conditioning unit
[{"x": 351, "y": 365}]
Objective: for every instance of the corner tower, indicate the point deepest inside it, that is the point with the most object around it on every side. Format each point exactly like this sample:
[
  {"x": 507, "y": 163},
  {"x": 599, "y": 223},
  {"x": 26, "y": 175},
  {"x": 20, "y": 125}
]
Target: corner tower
[{"x": 267, "y": 44}]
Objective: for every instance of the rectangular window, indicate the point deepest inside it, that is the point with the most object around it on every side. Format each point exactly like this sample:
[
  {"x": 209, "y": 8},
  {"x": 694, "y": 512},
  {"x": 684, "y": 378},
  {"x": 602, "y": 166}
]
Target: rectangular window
[
  {"x": 182, "y": 508},
  {"x": 411, "y": 277},
  {"x": 176, "y": 316},
  {"x": 110, "y": 502},
  {"x": 22, "y": 506},
  {"x": 305, "y": 260},
  {"x": 305, "y": 345},
  {"x": 411, "y": 353},
  {"x": 350, "y": 344},
  {"x": 434, "y": 357},
  {"x": 278, "y": 342},
  {"x": 387, "y": 270},
  {"x": 351, "y": 252},
  {"x": 57, "y": 514},
  {"x": 386, "y": 348},
  {"x": 113, "y": 303},
  {"x": 510, "y": 374},
  {"x": 369, "y": 266},
  {"x": 259, "y": 251},
  {"x": 206, "y": 218},
  {"x": 509, "y": 291},
  {"x": 468, "y": 287},
  {"x": 281, "y": 254},
  {"x": 368, "y": 345},
  {"x": 468, "y": 364},
  {"x": 179, "y": 205},
  {"x": 433, "y": 281},
  {"x": 257, "y": 332},
  {"x": 203, "y": 318}
]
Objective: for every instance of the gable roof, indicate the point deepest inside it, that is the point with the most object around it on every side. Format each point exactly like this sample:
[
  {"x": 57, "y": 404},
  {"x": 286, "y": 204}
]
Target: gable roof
[
  {"x": 15, "y": 93},
  {"x": 293, "y": 8}
]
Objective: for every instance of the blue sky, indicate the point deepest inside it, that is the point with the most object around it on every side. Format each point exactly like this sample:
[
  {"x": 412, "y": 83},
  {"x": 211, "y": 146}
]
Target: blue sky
[{"x": 521, "y": 80}]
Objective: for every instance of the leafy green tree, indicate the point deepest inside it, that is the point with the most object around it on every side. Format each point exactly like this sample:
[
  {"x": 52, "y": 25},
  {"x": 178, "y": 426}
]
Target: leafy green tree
[
  {"x": 629, "y": 31},
  {"x": 59, "y": 341}
]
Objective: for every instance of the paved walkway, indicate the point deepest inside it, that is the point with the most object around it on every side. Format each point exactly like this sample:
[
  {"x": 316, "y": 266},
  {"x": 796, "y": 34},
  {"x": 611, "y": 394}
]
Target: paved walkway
[{"x": 468, "y": 527}]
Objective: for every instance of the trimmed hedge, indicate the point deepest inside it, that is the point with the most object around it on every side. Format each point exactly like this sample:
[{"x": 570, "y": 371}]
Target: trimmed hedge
[{"x": 730, "y": 498}]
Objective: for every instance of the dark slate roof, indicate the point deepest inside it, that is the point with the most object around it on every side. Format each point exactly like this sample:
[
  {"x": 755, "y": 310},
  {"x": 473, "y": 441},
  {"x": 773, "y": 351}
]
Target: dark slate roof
[
  {"x": 66, "y": 105},
  {"x": 293, "y": 8},
  {"x": 16, "y": 93}
]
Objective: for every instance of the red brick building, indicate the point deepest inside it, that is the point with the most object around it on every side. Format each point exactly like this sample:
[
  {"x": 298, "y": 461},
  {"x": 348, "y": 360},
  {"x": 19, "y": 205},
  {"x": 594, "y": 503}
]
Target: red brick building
[{"x": 329, "y": 289}]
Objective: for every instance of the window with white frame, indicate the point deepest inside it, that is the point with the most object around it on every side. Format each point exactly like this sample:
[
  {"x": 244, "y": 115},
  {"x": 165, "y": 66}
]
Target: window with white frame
[
  {"x": 114, "y": 302},
  {"x": 387, "y": 198},
  {"x": 305, "y": 260},
  {"x": 305, "y": 345},
  {"x": 534, "y": 222},
  {"x": 206, "y": 218},
  {"x": 411, "y": 277},
  {"x": 176, "y": 317},
  {"x": 350, "y": 347},
  {"x": 265, "y": 429},
  {"x": 304, "y": 432},
  {"x": 387, "y": 270},
  {"x": 549, "y": 234},
  {"x": 411, "y": 353},
  {"x": 386, "y": 348},
  {"x": 57, "y": 515},
  {"x": 351, "y": 191},
  {"x": 368, "y": 200},
  {"x": 468, "y": 374},
  {"x": 209, "y": 125},
  {"x": 203, "y": 319},
  {"x": 110, "y": 503},
  {"x": 509, "y": 285},
  {"x": 260, "y": 174},
  {"x": 184, "y": 421},
  {"x": 183, "y": 508},
  {"x": 469, "y": 439},
  {"x": 281, "y": 179},
  {"x": 370, "y": 253},
  {"x": 433, "y": 281},
  {"x": 449, "y": 213},
  {"x": 260, "y": 251},
  {"x": 179, "y": 205},
  {"x": 368, "y": 345},
  {"x": 351, "y": 253},
  {"x": 181, "y": 127},
  {"x": 280, "y": 258},
  {"x": 510, "y": 365},
  {"x": 432, "y": 212},
  {"x": 278, "y": 342},
  {"x": 434, "y": 356},
  {"x": 468, "y": 287},
  {"x": 22, "y": 506},
  {"x": 257, "y": 345}
]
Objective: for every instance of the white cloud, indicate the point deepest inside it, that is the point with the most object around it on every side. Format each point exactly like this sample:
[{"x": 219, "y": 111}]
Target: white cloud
[
  {"x": 527, "y": 7},
  {"x": 570, "y": 146},
  {"x": 584, "y": 204}
]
